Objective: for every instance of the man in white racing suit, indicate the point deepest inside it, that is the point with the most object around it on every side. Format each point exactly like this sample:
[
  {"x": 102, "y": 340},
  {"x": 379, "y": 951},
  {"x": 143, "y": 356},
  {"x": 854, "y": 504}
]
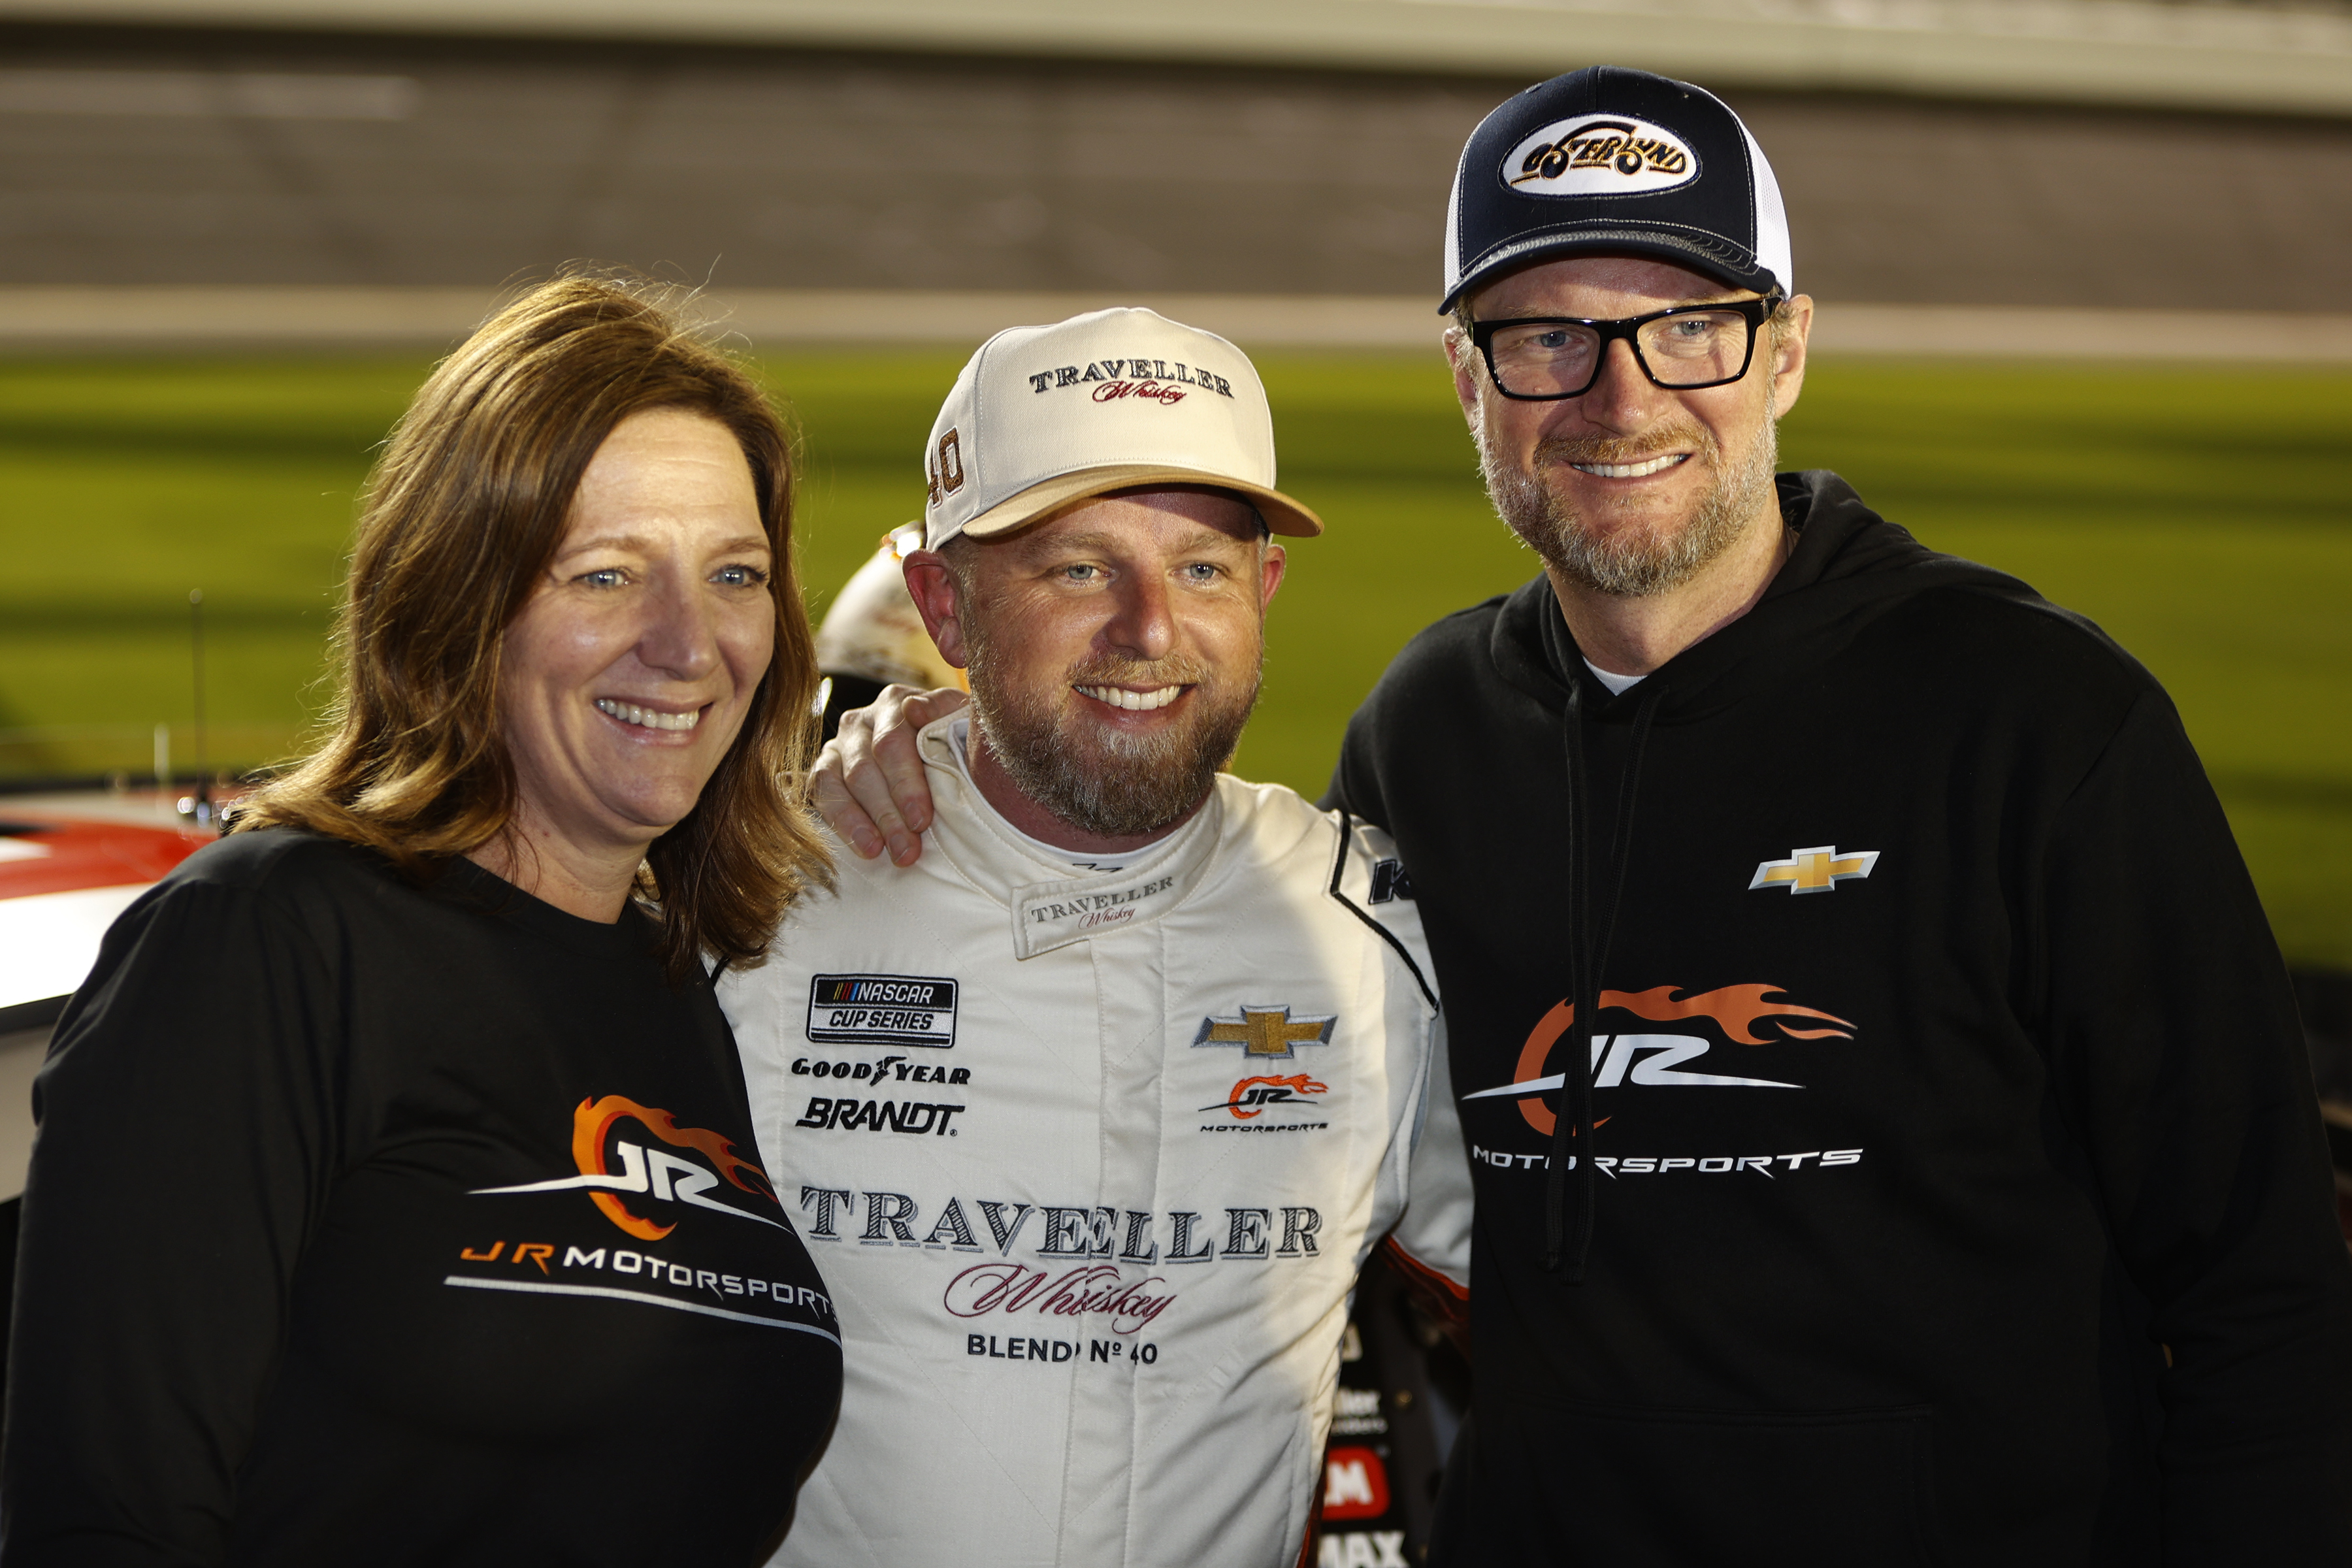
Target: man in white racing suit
[{"x": 1091, "y": 1116}]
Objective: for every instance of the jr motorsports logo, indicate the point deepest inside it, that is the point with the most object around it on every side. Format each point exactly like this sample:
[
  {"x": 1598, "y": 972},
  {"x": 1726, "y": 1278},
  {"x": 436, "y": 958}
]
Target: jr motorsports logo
[
  {"x": 650, "y": 1175},
  {"x": 1657, "y": 1060},
  {"x": 1600, "y": 155},
  {"x": 1290, "y": 1097},
  {"x": 1268, "y": 1032}
]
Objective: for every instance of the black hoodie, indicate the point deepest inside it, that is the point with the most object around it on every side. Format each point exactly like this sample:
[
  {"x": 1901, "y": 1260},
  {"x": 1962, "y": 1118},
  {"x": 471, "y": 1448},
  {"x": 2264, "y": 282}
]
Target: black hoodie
[{"x": 1957, "y": 1193}]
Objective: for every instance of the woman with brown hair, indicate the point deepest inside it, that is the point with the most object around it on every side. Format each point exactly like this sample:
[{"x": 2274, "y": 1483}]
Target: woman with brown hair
[{"x": 395, "y": 1199}]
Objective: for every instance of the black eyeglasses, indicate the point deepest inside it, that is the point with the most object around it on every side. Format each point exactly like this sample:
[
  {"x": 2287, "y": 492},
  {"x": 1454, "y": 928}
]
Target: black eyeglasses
[{"x": 1683, "y": 347}]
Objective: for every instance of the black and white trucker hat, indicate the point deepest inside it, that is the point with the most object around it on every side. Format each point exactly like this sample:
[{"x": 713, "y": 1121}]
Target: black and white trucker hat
[{"x": 1608, "y": 159}]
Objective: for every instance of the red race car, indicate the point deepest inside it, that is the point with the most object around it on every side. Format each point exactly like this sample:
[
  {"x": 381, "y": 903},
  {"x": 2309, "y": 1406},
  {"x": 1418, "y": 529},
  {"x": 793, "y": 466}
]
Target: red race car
[{"x": 69, "y": 865}]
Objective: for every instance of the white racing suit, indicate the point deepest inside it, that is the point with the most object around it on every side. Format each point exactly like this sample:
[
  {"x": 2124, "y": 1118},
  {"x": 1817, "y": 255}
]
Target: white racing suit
[{"x": 1089, "y": 1161}]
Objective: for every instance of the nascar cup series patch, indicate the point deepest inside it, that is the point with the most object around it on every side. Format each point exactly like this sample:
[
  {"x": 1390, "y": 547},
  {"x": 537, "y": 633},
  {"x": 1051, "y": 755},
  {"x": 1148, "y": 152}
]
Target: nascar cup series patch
[
  {"x": 1600, "y": 155},
  {"x": 882, "y": 1010}
]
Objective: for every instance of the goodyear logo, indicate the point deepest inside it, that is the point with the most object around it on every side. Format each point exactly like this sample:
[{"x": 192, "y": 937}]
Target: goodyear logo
[
  {"x": 882, "y": 1010},
  {"x": 1600, "y": 155}
]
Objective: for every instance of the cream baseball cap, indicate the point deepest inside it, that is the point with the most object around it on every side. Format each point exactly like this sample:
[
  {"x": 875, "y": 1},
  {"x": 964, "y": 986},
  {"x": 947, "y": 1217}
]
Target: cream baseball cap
[{"x": 1043, "y": 416}]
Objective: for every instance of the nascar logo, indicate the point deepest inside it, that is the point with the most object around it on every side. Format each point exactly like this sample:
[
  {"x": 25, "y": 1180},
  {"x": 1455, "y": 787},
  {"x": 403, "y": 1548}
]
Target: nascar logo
[{"x": 882, "y": 1010}]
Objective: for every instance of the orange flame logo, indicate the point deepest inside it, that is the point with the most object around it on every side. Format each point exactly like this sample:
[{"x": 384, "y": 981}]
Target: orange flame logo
[
  {"x": 595, "y": 1118},
  {"x": 1298, "y": 1082},
  {"x": 1737, "y": 1008}
]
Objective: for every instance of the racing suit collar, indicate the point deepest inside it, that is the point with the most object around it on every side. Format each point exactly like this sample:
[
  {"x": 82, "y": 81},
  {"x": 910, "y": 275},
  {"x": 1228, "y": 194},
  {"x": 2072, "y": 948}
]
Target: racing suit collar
[{"x": 1051, "y": 906}]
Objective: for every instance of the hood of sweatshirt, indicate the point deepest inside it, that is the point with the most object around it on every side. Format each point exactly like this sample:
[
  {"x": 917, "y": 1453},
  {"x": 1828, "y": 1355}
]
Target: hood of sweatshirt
[{"x": 1850, "y": 566}]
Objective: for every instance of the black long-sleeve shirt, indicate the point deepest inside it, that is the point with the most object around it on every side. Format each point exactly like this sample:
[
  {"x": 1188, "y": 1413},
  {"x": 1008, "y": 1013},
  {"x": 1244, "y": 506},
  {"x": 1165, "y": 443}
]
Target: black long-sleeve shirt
[
  {"x": 1958, "y": 1190},
  {"x": 372, "y": 1224}
]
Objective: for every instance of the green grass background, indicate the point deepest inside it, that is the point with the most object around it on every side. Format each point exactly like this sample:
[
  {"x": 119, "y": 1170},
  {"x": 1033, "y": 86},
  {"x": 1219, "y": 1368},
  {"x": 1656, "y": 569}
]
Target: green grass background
[{"x": 2199, "y": 514}]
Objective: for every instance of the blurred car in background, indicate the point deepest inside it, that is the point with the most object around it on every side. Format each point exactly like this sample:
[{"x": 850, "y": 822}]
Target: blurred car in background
[{"x": 69, "y": 863}]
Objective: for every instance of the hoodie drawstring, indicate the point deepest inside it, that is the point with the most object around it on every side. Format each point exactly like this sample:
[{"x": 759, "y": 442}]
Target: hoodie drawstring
[
  {"x": 1571, "y": 1138},
  {"x": 1572, "y": 1125}
]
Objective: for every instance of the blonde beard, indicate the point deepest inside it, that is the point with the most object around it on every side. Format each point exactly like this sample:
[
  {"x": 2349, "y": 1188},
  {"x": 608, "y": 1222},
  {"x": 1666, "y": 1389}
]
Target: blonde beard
[
  {"x": 1633, "y": 563},
  {"x": 1098, "y": 780}
]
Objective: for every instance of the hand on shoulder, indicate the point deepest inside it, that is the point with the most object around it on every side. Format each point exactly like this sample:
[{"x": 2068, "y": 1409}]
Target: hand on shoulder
[{"x": 868, "y": 781}]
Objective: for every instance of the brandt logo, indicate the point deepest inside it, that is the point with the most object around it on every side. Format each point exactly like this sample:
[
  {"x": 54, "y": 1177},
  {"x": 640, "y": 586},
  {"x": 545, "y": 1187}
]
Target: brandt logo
[
  {"x": 849, "y": 1114},
  {"x": 1600, "y": 155}
]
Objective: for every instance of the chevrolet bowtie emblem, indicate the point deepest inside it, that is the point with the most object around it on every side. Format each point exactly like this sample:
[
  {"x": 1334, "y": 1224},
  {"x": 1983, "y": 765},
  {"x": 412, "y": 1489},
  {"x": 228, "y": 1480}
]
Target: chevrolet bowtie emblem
[
  {"x": 1815, "y": 870},
  {"x": 1266, "y": 1031}
]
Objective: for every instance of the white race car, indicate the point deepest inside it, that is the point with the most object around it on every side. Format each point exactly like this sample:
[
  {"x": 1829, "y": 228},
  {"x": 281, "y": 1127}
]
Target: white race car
[{"x": 69, "y": 865}]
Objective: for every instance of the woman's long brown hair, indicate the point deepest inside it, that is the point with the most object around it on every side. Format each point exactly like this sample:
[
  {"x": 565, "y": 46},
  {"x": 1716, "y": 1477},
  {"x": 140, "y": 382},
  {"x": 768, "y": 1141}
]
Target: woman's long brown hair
[{"x": 460, "y": 520}]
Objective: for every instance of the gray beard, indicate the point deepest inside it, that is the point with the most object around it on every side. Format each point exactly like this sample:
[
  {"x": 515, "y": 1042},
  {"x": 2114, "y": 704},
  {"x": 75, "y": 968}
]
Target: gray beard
[
  {"x": 1102, "y": 781},
  {"x": 1630, "y": 564}
]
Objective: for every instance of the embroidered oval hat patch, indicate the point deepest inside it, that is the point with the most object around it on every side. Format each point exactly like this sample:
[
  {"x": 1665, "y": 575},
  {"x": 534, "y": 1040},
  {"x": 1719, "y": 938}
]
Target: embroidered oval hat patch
[{"x": 1600, "y": 155}]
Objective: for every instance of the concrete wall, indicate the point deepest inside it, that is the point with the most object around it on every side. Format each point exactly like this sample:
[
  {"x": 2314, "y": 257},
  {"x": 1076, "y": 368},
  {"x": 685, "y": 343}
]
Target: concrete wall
[{"x": 774, "y": 168}]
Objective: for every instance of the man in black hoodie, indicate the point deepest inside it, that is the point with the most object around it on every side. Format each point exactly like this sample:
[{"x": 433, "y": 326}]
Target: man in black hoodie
[
  {"x": 1892, "y": 1134},
  {"x": 1937, "y": 1175}
]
